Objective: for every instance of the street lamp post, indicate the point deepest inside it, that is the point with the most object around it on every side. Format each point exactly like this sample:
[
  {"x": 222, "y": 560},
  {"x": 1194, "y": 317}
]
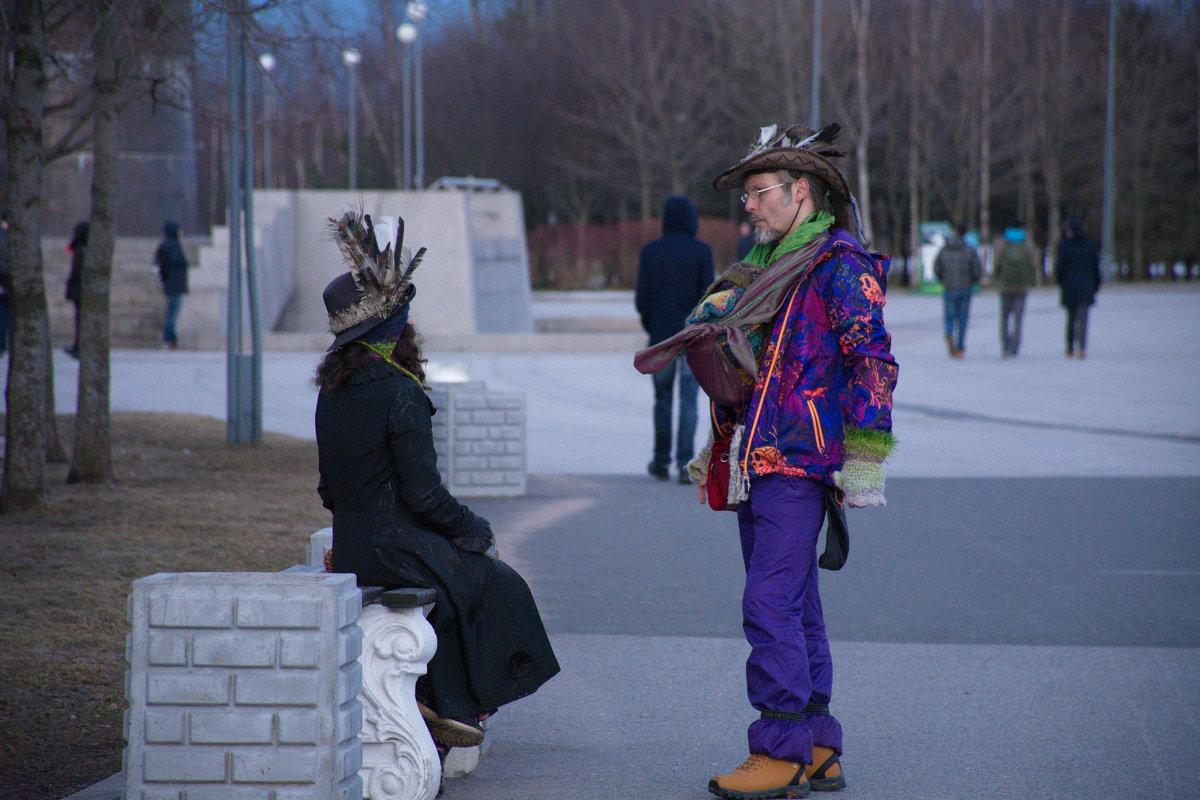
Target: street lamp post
[
  {"x": 267, "y": 62},
  {"x": 406, "y": 34},
  {"x": 413, "y": 96},
  {"x": 351, "y": 58}
]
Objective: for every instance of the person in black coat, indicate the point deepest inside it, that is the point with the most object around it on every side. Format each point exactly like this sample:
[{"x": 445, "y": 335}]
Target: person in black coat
[
  {"x": 395, "y": 524},
  {"x": 1077, "y": 271},
  {"x": 673, "y": 273},
  {"x": 77, "y": 248},
  {"x": 172, "y": 271}
]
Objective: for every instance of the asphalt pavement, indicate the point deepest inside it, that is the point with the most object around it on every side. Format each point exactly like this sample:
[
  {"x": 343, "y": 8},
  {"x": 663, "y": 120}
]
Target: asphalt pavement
[{"x": 1021, "y": 621}]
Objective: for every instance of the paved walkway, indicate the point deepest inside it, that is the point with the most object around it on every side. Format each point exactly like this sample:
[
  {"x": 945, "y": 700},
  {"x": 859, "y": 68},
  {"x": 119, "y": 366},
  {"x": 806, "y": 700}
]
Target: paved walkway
[{"x": 1020, "y": 622}]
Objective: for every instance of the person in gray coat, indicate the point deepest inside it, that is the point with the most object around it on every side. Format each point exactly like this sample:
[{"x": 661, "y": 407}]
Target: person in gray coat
[{"x": 958, "y": 268}]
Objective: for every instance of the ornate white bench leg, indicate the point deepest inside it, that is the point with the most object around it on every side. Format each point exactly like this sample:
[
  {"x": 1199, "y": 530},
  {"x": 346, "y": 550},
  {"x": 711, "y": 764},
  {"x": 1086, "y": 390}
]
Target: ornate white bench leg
[{"x": 400, "y": 761}]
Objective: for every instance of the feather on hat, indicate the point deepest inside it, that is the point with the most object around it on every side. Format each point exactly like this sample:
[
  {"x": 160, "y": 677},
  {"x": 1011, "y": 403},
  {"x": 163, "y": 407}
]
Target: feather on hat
[
  {"x": 379, "y": 282},
  {"x": 799, "y": 149}
]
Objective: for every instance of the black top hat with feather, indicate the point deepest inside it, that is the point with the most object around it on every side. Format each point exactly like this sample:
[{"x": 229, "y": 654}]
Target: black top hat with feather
[
  {"x": 379, "y": 283},
  {"x": 799, "y": 149}
]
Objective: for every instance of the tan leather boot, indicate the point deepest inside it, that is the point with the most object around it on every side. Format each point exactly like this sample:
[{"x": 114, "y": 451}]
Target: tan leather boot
[{"x": 761, "y": 776}]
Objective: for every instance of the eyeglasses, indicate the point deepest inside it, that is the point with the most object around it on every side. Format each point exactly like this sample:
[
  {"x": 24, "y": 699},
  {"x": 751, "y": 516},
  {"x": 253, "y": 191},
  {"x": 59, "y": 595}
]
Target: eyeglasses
[{"x": 744, "y": 196}]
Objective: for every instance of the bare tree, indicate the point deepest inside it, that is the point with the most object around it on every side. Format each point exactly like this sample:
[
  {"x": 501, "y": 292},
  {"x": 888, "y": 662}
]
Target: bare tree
[
  {"x": 28, "y": 364},
  {"x": 91, "y": 459}
]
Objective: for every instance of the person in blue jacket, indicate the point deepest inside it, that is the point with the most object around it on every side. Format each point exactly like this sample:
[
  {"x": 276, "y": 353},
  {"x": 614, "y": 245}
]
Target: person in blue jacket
[{"x": 673, "y": 273}]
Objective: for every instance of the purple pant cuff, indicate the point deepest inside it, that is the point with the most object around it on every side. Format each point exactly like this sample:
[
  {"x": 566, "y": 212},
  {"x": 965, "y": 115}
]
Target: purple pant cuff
[{"x": 793, "y": 741}]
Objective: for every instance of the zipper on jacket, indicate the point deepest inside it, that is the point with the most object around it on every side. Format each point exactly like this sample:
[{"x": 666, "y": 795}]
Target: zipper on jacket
[
  {"x": 779, "y": 345},
  {"x": 818, "y": 431}
]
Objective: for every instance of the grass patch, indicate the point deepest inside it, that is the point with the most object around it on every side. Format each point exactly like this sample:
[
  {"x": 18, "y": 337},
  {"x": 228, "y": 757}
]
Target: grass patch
[{"x": 184, "y": 501}]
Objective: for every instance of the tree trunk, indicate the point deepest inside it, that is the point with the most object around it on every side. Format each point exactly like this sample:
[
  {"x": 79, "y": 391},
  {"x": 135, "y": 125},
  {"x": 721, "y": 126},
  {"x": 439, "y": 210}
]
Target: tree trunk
[
  {"x": 29, "y": 359},
  {"x": 914, "y": 153},
  {"x": 91, "y": 460}
]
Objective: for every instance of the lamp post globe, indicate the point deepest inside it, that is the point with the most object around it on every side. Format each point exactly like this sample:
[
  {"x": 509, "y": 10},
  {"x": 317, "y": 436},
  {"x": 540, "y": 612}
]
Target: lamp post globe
[{"x": 416, "y": 10}]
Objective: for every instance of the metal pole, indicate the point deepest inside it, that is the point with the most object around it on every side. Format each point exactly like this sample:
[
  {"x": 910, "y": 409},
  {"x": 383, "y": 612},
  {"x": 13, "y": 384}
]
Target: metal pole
[
  {"x": 251, "y": 400},
  {"x": 268, "y": 112},
  {"x": 418, "y": 117},
  {"x": 352, "y": 180},
  {"x": 233, "y": 307},
  {"x": 407, "y": 103},
  {"x": 1108, "y": 237},
  {"x": 815, "y": 114}
]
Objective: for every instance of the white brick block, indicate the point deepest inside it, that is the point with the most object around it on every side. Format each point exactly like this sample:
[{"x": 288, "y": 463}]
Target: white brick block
[
  {"x": 468, "y": 401},
  {"x": 487, "y": 417},
  {"x": 289, "y": 728},
  {"x": 275, "y": 764},
  {"x": 300, "y": 650},
  {"x": 234, "y": 649},
  {"x": 278, "y": 688},
  {"x": 183, "y": 765},
  {"x": 187, "y": 687},
  {"x": 231, "y": 726},
  {"x": 289, "y": 612},
  {"x": 164, "y": 727},
  {"x": 192, "y": 612},
  {"x": 167, "y": 650},
  {"x": 299, "y": 727},
  {"x": 506, "y": 400}
]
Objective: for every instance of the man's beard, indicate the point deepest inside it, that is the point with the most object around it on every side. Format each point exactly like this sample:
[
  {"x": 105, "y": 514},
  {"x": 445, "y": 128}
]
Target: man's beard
[{"x": 767, "y": 235}]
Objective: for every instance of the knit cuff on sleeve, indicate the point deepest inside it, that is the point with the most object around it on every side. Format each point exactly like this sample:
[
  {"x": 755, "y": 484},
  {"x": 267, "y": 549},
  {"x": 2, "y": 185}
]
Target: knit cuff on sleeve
[{"x": 698, "y": 467}]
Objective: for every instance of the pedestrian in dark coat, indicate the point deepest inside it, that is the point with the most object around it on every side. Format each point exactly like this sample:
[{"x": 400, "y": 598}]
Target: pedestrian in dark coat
[
  {"x": 957, "y": 267},
  {"x": 172, "y": 271},
  {"x": 77, "y": 248},
  {"x": 1077, "y": 270},
  {"x": 673, "y": 272},
  {"x": 395, "y": 524}
]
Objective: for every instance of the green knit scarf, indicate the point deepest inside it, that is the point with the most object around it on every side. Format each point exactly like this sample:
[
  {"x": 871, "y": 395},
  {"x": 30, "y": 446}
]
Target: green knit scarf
[
  {"x": 384, "y": 351},
  {"x": 767, "y": 254}
]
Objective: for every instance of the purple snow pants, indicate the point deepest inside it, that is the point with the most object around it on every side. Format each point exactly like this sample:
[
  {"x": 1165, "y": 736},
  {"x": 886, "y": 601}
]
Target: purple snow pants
[{"x": 789, "y": 669}]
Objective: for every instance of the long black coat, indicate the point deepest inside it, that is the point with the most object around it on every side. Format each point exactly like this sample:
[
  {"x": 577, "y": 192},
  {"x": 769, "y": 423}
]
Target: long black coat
[
  {"x": 171, "y": 262},
  {"x": 394, "y": 524},
  {"x": 1077, "y": 271}
]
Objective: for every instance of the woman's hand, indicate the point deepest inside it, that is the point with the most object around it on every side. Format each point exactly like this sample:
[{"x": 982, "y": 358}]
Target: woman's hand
[{"x": 701, "y": 491}]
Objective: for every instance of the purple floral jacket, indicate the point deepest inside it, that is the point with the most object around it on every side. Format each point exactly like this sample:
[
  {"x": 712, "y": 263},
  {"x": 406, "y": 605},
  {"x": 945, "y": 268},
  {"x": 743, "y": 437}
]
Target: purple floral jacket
[{"x": 826, "y": 368}]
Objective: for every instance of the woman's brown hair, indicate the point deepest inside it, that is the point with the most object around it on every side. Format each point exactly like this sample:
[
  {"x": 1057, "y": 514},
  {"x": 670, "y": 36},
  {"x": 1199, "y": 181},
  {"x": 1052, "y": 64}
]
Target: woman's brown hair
[{"x": 339, "y": 365}]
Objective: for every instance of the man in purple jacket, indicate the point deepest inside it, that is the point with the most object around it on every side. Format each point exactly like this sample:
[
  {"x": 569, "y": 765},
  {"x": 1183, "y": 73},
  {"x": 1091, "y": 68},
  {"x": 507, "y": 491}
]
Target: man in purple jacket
[{"x": 816, "y": 424}]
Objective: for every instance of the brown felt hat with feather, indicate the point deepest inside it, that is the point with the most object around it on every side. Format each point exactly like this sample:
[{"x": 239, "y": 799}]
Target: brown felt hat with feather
[{"x": 799, "y": 149}]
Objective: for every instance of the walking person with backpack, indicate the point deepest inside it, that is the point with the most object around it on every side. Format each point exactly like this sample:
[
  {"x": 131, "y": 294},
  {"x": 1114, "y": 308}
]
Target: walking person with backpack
[{"x": 1015, "y": 266}]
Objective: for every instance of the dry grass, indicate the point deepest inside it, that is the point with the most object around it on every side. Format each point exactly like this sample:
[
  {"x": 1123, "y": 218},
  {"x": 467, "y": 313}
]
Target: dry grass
[{"x": 184, "y": 501}]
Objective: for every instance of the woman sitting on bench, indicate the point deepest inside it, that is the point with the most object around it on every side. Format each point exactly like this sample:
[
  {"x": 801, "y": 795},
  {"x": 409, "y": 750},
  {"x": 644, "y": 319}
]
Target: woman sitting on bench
[{"x": 394, "y": 524}]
